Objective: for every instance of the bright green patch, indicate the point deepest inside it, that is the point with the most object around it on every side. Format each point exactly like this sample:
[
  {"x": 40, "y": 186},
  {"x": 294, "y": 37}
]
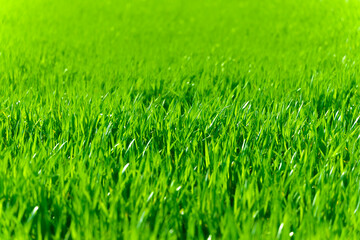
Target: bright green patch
[{"x": 174, "y": 119}]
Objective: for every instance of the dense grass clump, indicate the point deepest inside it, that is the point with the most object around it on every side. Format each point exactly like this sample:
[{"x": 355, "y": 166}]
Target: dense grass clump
[{"x": 179, "y": 119}]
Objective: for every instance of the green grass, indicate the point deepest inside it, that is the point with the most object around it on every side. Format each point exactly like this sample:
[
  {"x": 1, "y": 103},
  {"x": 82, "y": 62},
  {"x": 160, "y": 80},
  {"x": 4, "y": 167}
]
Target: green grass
[{"x": 179, "y": 119}]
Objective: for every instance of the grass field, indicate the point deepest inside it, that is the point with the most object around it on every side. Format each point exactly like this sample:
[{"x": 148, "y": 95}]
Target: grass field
[{"x": 176, "y": 119}]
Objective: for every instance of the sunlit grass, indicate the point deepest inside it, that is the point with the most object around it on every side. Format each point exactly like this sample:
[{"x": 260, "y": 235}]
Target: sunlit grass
[{"x": 179, "y": 119}]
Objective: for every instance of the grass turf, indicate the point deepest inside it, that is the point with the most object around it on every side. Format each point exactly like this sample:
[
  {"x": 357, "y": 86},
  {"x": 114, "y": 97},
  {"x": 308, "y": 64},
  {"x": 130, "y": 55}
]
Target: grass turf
[{"x": 179, "y": 119}]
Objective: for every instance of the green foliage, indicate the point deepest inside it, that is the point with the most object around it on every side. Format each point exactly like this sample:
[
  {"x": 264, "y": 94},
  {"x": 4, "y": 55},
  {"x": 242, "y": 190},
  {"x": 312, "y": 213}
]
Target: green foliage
[{"x": 179, "y": 119}]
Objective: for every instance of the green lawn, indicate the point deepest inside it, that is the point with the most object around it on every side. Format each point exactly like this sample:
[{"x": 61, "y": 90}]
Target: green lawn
[{"x": 174, "y": 119}]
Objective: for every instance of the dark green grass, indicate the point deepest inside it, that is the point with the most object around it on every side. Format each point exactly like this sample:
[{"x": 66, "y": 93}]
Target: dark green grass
[{"x": 179, "y": 119}]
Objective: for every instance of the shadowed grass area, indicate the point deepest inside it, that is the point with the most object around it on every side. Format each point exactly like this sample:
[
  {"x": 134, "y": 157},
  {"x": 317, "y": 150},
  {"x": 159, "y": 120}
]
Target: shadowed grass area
[{"x": 179, "y": 119}]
